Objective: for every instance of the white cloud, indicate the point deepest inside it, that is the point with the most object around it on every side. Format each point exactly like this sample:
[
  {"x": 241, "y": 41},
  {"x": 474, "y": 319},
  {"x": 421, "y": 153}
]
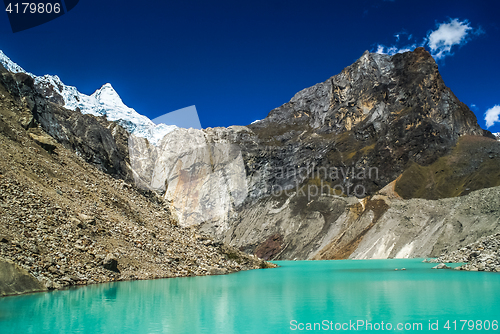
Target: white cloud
[
  {"x": 392, "y": 50},
  {"x": 491, "y": 116},
  {"x": 441, "y": 40}
]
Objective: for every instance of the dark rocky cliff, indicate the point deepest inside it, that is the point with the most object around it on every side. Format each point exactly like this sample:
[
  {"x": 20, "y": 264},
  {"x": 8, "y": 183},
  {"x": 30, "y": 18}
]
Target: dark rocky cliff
[
  {"x": 97, "y": 141},
  {"x": 382, "y": 112}
]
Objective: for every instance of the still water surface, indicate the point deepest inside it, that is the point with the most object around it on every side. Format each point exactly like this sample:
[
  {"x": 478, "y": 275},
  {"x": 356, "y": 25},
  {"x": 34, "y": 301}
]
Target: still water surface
[{"x": 283, "y": 300}]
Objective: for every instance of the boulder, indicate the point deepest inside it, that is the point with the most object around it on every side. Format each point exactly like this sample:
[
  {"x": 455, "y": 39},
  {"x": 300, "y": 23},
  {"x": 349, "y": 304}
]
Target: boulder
[
  {"x": 44, "y": 141},
  {"x": 15, "y": 280},
  {"x": 216, "y": 271},
  {"x": 86, "y": 219},
  {"x": 27, "y": 121},
  {"x": 441, "y": 266},
  {"x": 111, "y": 263}
]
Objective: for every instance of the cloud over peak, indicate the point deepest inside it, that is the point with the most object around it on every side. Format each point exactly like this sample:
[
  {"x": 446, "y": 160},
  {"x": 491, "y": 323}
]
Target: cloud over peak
[
  {"x": 392, "y": 50},
  {"x": 492, "y": 116},
  {"x": 440, "y": 41},
  {"x": 447, "y": 35}
]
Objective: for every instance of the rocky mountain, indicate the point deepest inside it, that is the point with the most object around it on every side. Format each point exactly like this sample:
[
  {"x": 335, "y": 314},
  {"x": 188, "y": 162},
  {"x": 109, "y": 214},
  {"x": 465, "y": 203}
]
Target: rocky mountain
[
  {"x": 103, "y": 102},
  {"x": 68, "y": 216},
  {"x": 381, "y": 160},
  {"x": 326, "y": 175}
]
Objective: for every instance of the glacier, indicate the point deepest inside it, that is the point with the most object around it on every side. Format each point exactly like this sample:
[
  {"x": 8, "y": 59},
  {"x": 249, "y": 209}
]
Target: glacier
[{"x": 103, "y": 102}]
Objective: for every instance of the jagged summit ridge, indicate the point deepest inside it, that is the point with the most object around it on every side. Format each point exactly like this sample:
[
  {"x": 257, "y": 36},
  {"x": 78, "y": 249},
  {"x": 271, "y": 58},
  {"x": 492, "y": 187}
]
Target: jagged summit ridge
[
  {"x": 103, "y": 102},
  {"x": 107, "y": 94},
  {"x": 374, "y": 92},
  {"x": 9, "y": 64}
]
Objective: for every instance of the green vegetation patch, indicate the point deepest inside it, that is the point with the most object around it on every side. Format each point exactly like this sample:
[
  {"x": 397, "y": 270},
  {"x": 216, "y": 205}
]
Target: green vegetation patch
[{"x": 473, "y": 164}]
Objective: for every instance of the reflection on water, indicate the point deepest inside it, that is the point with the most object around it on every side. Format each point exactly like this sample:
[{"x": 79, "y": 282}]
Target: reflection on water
[{"x": 261, "y": 301}]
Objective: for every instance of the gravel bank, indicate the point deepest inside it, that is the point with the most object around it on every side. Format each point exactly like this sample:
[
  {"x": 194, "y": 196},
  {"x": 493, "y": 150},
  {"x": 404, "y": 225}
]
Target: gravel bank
[{"x": 483, "y": 255}]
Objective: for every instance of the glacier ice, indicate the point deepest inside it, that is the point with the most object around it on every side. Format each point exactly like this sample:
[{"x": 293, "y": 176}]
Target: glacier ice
[{"x": 103, "y": 102}]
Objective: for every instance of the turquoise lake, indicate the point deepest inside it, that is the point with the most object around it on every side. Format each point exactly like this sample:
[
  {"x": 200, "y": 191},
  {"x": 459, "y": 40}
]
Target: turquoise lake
[{"x": 333, "y": 294}]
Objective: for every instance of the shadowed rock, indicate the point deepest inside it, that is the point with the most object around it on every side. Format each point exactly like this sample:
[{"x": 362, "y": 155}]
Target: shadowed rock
[{"x": 15, "y": 280}]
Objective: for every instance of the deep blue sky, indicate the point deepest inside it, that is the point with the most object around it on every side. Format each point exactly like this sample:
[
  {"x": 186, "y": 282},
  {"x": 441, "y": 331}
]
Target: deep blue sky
[{"x": 238, "y": 60}]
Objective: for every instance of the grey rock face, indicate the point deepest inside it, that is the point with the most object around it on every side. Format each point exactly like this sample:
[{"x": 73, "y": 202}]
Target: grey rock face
[
  {"x": 15, "y": 280},
  {"x": 379, "y": 112},
  {"x": 94, "y": 139},
  {"x": 310, "y": 181},
  {"x": 201, "y": 174}
]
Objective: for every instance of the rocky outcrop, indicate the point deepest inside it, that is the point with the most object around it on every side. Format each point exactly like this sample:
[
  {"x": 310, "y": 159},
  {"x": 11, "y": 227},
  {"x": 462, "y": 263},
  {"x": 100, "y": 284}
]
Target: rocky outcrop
[
  {"x": 111, "y": 263},
  {"x": 441, "y": 266},
  {"x": 97, "y": 141},
  {"x": 482, "y": 255},
  {"x": 14, "y": 280},
  {"x": 44, "y": 141}
]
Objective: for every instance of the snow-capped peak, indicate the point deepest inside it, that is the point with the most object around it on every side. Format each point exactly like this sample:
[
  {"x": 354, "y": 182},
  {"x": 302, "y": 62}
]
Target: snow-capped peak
[
  {"x": 103, "y": 102},
  {"x": 108, "y": 95},
  {"x": 9, "y": 64}
]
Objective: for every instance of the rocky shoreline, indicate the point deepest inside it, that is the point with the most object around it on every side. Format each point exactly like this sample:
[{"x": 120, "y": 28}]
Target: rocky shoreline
[
  {"x": 65, "y": 221},
  {"x": 483, "y": 255},
  {"x": 68, "y": 236},
  {"x": 86, "y": 227}
]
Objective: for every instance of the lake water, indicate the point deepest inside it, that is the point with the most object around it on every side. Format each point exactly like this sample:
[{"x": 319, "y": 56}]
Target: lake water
[{"x": 336, "y": 295}]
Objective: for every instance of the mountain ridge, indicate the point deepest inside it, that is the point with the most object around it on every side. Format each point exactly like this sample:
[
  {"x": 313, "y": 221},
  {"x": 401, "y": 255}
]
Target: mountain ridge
[
  {"x": 383, "y": 114},
  {"x": 69, "y": 212},
  {"x": 384, "y": 124},
  {"x": 105, "y": 101}
]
